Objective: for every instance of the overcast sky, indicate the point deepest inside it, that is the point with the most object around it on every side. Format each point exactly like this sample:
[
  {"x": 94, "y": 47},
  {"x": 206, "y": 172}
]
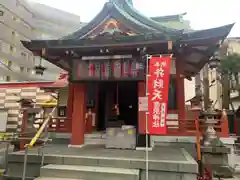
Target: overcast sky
[{"x": 202, "y": 14}]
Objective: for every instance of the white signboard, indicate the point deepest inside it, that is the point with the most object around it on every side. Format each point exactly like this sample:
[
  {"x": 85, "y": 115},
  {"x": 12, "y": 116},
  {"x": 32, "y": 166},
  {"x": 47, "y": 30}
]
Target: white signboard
[{"x": 142, "y": 104}]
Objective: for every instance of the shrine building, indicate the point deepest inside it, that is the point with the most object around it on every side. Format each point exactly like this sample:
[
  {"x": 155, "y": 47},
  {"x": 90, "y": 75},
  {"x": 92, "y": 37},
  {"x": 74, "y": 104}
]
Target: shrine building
[{"x": 106, "y": 65}]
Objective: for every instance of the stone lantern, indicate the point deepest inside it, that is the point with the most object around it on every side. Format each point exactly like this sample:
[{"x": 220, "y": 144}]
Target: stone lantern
[
  {"x": 29, "y": 113},
  {"x": 214, "y": 153},
  {"x": 210, "y": 137}
]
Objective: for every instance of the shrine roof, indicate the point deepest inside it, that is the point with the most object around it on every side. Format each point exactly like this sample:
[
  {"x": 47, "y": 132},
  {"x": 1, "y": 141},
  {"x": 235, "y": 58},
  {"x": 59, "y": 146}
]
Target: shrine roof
[
  {"x": 123, "y": 10},
  {"x": 61, "y": 82},
  {"x": 195, "y": 37},
  {"x": 121, "y": 29}
]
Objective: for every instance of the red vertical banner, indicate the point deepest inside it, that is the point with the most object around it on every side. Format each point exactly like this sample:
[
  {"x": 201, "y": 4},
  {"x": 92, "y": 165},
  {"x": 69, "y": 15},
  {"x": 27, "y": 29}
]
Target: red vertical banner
[{"x": 158, "y": 83}]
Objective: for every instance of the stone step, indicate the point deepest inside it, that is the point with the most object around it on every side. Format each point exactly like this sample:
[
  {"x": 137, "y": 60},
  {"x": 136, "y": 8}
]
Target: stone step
[
  {"x": 89, "y": 172},
  {"x": 53, "y": 178},
  {"x": 95, "y": 141}
]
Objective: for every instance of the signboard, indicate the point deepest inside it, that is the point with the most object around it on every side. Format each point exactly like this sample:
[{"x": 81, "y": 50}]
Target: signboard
[
  {"x": 158, "y": 84},
  {"x": 143, "y": 104},
  {"x": 109, "y": 69}
]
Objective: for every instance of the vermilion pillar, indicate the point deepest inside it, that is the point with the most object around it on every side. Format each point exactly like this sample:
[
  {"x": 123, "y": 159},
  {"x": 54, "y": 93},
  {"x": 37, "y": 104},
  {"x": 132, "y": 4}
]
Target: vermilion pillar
[
  {"x": 70, "y": 105},
  {"x": 180, "y": 91},
  {"x": 78, "y": 114}
]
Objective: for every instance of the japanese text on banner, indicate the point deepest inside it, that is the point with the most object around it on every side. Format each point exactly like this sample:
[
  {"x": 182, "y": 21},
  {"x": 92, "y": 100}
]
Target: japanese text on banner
[{"x": 158, "y": 84}]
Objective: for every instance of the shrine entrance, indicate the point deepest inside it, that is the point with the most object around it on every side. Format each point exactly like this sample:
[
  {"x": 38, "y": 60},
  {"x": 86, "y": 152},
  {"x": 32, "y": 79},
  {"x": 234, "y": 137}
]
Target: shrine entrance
[{"x": 117, "y": 104}]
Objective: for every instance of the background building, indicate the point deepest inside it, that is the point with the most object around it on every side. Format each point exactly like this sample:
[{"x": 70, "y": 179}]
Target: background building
[
  {"x": 26, "y": 20},
  {"x": 215, "y": 87}
]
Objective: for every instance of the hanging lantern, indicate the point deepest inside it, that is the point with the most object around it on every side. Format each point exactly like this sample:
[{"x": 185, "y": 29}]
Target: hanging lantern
[{"x": 39, "y": 69}]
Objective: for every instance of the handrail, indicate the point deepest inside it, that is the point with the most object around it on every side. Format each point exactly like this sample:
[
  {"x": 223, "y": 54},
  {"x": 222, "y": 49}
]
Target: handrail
[
  {"x": 33, "y": 141},
  {"x": 40, "y": 130}
]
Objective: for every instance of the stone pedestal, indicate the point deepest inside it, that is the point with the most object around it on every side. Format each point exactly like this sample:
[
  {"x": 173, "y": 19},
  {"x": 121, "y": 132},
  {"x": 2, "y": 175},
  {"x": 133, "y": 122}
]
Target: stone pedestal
[{"x": 216, "y": 158}]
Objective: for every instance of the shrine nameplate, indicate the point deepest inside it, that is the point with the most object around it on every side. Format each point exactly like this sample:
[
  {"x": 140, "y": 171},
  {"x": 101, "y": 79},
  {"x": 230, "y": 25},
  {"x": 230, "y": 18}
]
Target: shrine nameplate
[{"x": 117, "y": 69}]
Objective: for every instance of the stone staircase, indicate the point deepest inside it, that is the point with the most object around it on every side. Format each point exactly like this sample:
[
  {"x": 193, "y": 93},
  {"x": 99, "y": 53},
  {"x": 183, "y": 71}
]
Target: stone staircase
[
  {"x": 53, "y": 171},
  {"x": 94, "y": 162}
]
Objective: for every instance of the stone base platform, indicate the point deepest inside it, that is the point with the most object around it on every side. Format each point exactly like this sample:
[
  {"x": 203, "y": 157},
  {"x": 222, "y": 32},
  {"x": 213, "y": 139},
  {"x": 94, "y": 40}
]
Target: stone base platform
[{"x": 164, "y": 162}]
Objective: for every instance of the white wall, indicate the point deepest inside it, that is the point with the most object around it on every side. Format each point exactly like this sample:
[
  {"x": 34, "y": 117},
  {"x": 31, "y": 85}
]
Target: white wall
[{"x": 189, "y": 89}]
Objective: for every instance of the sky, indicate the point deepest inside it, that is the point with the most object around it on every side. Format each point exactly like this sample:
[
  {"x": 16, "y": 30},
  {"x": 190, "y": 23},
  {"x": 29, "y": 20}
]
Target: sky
[{"x": 202, "y": 14}]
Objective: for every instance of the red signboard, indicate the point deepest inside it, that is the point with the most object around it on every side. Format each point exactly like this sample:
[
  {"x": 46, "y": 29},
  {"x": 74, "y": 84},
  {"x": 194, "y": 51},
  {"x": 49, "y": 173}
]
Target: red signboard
[{"x": 158, "y": 83}]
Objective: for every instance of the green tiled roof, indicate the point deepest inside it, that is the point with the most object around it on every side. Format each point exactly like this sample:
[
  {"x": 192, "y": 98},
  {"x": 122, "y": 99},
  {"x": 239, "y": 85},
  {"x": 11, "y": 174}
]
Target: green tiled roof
[{"x": 124, "y": 11}]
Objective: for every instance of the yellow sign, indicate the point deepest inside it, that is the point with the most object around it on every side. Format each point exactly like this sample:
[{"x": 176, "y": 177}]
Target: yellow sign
[
  {"x": 110, "y": 132},
  {"x": 130, "y": 132}
]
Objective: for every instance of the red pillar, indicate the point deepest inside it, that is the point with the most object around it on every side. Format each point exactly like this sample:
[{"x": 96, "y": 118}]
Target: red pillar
[
  {"x": 78, "y": 115},
  {"x": 70, "y": 106},
  {"x": 180, "y": 92}
]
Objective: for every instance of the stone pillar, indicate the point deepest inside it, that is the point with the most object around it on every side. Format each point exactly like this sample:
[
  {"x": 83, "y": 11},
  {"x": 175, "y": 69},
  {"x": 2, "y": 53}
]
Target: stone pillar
[{"x": 78, "y": 115}]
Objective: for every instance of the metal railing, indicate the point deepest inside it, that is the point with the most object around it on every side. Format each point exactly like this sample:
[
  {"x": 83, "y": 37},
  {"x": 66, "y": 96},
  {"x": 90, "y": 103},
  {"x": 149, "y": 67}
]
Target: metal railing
[
  {"x": 8, "y": 139},
  {"x": 34, "y": 140},
  {"x": 186, "y": 127}
]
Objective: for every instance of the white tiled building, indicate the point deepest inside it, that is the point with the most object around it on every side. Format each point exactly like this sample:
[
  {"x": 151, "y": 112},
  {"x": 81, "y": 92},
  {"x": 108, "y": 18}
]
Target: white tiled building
[{"x": 23, "y": 20}]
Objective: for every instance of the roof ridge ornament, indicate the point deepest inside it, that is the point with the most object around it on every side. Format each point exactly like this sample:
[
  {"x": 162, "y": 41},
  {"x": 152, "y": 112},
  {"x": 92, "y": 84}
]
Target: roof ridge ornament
[{"x": 122, "y": 2}]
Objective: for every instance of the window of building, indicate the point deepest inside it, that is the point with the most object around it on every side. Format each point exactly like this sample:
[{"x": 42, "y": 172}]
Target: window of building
[
  {"x": 29, "y": 70},
  {"x": 2, "y": 78},
  {"x": 34, "y": 60},
  {"x": 11, "y": 48},
  {"x": 13, "y": 33},
  {"x": 1, "y": 13},
  {"x": 8, "y": 78},
  {"x": 22, "y": 69},
  {"x": 9, "y": 64},
  {"x": 23, "y": 54}
]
